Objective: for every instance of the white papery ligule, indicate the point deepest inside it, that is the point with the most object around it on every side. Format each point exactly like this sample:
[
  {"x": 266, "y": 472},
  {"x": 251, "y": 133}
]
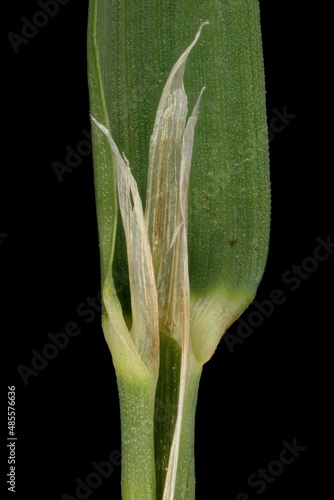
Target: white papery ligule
[
  {"x": 166, "y": 206},
  {"x": 144, "y": 306},
  {"x": 171, "y": 148}
]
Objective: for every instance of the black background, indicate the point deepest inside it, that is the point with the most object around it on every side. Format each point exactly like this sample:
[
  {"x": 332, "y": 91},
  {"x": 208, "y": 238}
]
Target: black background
[{"x": 272, "y": 387}]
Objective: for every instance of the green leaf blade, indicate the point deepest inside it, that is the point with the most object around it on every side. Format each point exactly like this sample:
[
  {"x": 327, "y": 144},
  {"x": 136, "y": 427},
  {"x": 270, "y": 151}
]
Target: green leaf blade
[
  {"x": 104, "y": 171},
  {"x": 229, "y": 192}
]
